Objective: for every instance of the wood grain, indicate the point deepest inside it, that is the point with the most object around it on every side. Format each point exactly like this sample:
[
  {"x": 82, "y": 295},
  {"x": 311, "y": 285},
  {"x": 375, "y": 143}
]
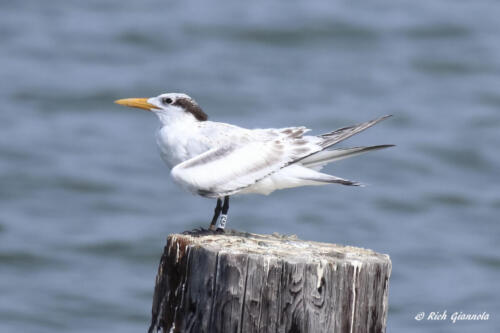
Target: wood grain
[{"x": 241, "y": 282}]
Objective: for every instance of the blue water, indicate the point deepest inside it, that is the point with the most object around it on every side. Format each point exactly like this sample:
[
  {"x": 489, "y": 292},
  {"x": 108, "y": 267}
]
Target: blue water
[{"x": 86, "y": 203}]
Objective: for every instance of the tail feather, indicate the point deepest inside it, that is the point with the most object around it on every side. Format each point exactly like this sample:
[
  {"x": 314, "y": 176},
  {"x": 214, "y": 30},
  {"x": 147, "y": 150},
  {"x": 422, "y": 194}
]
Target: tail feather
[
  {"x": 324, "y": 178},
  {"x": 346, "y": 132},
  {"x": 312, "y": 163},
  {"x": 320, "y": 159}
]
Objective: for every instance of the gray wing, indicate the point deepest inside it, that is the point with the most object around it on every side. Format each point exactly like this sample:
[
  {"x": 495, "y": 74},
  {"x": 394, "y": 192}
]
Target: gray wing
[
  {"x": 227, "y": 169},
  {"x": 341, "y": 134},
  {"x": 233, "y": 166}
]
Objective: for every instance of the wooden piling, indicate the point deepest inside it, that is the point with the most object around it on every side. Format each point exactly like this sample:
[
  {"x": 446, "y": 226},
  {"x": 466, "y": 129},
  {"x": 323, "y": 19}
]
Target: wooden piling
[{"x": 242, "y": 282}]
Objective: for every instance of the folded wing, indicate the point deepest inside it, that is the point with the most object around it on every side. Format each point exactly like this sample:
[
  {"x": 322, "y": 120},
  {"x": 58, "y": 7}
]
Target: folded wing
[
  {"x": 236, "y": 165},
  {"x": 225, "y": 170}
]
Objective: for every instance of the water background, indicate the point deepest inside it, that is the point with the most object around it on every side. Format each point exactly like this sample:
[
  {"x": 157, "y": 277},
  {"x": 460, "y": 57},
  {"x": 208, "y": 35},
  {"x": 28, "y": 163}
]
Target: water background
[{"x": 86, "y": 203}]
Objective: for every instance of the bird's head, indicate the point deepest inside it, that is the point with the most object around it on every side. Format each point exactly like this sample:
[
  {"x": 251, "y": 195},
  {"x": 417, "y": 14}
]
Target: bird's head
[{"x": 168, "y": 107}]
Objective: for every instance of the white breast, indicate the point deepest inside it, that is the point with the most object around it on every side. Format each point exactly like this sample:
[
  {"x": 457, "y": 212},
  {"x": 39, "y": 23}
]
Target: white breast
[{"x": 178, "y": 144}]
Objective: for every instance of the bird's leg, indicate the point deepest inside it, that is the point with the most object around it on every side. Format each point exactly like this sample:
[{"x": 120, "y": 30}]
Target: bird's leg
[
  {"x": 223, "y": 218},
  {"x": 217, "y": 210}
]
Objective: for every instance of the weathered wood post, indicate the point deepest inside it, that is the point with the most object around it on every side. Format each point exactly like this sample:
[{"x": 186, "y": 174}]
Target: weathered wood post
[{"x": 241, "y": 282}]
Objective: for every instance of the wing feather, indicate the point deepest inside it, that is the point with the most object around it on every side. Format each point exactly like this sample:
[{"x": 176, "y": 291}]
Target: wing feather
[
  {"x": 248, "y": 158},
  {"x": 346, "y": 132},
  {"x": 228, "y": 169}
]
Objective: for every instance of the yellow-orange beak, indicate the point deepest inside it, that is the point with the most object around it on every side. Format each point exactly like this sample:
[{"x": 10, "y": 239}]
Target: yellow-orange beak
[{"x": 140, "y": 103}]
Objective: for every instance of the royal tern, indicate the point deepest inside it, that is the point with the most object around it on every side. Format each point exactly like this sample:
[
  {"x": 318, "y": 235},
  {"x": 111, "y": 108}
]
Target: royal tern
[{"x": 217, "y": 160}]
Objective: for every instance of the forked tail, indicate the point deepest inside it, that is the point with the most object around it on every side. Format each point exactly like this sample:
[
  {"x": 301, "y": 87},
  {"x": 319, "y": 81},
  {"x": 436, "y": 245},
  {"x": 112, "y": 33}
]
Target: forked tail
[{"x": 319, "y": 160}]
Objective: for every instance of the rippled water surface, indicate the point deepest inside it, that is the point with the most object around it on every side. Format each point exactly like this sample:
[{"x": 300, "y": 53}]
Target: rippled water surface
[{"x": 86, "y": 203}]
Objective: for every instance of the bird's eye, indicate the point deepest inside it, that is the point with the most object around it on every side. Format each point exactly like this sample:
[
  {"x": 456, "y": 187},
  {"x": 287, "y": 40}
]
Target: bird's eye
[{"x": 166, "y": 100}]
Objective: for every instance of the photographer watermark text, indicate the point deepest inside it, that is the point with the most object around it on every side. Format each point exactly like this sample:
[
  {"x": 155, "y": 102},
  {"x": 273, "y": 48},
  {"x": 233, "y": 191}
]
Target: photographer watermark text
[{"x": 454, "y": 317}]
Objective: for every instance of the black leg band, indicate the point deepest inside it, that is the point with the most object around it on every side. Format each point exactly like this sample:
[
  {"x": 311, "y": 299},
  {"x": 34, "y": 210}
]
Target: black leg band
[{"x": 217, "y": 211}]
